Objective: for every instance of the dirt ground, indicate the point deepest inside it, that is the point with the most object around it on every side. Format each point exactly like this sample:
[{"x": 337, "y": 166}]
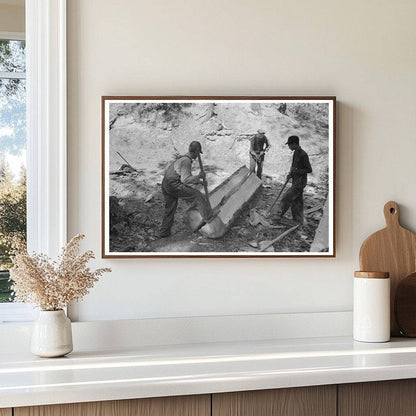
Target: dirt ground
[{"x": 144, "y": 218}]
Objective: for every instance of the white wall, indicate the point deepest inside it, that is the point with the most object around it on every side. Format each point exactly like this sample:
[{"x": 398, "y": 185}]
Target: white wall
[{"x": 361, "y": 51}]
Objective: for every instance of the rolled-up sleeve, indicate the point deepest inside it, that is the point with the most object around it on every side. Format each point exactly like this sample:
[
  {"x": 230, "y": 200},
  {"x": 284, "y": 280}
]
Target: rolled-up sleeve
[{"x": 185, "y": 169}]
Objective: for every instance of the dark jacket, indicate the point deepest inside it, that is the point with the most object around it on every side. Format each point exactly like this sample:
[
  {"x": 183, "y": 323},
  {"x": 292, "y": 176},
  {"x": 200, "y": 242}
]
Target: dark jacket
[{"x": 300, "y": 168}]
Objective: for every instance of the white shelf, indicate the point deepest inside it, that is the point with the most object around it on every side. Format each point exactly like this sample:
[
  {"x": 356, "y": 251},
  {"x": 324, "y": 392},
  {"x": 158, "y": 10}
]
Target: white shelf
[{"x": 150, "y": 371}]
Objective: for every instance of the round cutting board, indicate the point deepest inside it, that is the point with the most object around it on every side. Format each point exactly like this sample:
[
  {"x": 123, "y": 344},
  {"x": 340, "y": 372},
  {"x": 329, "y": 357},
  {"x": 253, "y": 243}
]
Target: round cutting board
[{"x": 393, "y": 250}]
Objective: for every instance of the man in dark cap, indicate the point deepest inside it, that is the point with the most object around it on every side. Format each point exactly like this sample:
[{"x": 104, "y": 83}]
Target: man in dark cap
[
  {"x": 176, "y": 185},
  {"x": 259, "y": 145},
  {"x": 301, "y": 166}
]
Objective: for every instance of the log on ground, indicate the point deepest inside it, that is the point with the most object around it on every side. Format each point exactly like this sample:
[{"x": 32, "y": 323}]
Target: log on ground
[
  {"x": 236, "y": 201},
  {"x": 217, "y": 197},
  {"x": 320, "y": 242}
]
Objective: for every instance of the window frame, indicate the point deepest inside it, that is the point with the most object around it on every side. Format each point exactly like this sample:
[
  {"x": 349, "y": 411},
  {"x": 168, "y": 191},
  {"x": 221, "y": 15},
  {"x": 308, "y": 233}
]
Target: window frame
[
  {"x": 12, "y": 35},
  {"x": 46, "y": 137}
]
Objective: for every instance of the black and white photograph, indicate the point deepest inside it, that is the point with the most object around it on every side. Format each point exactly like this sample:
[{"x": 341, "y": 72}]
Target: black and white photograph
[{"x": 218, "y": 176}]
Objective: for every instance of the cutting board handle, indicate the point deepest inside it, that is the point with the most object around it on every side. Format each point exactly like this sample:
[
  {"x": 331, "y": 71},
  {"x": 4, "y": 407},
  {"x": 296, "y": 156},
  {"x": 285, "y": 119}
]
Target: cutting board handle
[{"x": 391, "y": 214}]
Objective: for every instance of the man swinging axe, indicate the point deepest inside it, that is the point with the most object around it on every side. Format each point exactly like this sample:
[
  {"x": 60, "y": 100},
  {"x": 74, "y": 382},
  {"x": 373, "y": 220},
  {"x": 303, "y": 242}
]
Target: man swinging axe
[
  {"x": 178, "y": 183},
  {"x": 259, "y": 146},
  {"x": 293, "y": 198}
]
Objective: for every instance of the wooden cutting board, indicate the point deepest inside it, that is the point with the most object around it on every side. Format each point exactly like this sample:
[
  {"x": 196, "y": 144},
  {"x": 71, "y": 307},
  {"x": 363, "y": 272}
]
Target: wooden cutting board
[
  {"x": 393, "y": 250},
  {"x": 405, "y": 306}
]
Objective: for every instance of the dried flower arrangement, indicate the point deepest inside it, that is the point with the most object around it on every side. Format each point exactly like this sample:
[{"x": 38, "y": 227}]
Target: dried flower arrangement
[{"x": 53, "y": 285}]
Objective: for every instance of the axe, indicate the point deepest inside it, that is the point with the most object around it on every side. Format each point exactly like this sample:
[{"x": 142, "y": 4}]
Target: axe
[
  {"x": 204, "y": 180},
  {"x": 277, "y": 198}
]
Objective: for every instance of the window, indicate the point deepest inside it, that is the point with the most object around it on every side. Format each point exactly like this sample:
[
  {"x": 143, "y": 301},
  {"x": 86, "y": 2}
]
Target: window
[
  {"x": 12, "y": 153},
  {"x": 45, "y": 26}
]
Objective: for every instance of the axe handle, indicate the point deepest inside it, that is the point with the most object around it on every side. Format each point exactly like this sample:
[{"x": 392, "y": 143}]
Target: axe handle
[
  {"x": 277, "y": 198},
  {"x": 279, "y": 237},
  {"x": 204, "y": 180}
]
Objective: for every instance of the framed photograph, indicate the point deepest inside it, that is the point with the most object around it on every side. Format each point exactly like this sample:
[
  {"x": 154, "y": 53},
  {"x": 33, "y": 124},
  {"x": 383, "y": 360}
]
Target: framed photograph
[{"x": 218, "y": 177}]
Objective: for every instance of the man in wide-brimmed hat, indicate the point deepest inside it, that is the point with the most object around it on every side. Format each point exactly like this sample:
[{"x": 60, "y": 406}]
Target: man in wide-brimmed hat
[
  {"x": 259, "y": 146},
  {"x": 293, "y": 198},
  {"x": 177, "y": 184}
]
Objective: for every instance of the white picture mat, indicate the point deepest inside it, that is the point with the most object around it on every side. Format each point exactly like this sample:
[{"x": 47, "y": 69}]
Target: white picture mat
[{"x": 330, "y": 198}]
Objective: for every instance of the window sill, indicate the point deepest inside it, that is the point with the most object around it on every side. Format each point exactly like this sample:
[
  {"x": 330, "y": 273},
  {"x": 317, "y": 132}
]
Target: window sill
[{"x": 16, "y": 313}]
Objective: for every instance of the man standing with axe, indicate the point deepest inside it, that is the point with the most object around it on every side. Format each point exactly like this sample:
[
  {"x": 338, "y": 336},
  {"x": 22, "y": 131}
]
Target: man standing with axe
[
  {"x": 293, "y": 198},
  {"x": 259, "y": 146},
  {"x": 176, "y": 185}
]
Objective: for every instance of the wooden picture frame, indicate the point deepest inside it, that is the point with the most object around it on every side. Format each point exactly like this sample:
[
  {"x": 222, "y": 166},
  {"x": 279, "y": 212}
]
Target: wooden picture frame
[{"x": 149, "y": 166}]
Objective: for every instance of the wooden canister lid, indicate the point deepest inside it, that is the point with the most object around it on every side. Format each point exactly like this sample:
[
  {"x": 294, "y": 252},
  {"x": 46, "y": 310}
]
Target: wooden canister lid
[{"x": 372, "y": 275}]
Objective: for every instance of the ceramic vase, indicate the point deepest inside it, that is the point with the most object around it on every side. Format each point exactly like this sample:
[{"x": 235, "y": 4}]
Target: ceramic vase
[{"x": 52, "y": 334}]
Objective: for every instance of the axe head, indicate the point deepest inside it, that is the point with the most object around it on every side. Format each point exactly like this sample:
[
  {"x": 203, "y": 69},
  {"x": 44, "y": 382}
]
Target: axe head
[{"x": 213, "y": 229}]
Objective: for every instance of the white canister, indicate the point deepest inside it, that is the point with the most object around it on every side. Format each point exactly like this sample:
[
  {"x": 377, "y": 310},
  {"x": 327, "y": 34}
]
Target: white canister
[{"x": 371, "y": 307}]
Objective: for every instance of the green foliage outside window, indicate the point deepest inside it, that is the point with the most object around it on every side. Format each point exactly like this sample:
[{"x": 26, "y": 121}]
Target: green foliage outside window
[
  {"x": 12, "y": 223},
  {"x": 12, "y": 145}
]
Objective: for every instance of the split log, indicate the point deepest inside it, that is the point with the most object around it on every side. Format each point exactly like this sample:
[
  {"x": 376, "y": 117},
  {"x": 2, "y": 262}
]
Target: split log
[
  {"x": 217, "y": 197},
  {"x": 320, "y": 242},
  {"x": 232, "y": 206}
]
